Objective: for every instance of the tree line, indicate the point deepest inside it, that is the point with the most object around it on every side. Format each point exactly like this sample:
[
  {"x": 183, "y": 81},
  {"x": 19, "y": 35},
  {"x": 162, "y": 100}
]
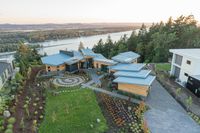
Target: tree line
[{"x": 153, "y": 43}]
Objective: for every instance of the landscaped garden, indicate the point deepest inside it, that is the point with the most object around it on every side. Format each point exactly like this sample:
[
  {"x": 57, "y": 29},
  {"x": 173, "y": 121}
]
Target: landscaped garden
[
  {"x": 123, "y": 116},
  {"x": 73, "y": 112}
]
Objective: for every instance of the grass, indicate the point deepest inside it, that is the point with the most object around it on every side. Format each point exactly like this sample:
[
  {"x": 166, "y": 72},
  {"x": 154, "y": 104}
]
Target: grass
[
  {"x": 73, "y": 112},
  {"x": 163, "y": 67}
]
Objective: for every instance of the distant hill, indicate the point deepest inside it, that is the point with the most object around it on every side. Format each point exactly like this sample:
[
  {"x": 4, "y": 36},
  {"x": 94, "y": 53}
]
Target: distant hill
[{"x": 35, "y": 27}]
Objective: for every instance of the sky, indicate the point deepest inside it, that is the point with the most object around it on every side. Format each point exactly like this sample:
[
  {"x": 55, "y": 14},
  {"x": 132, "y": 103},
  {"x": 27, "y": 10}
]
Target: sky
[{"x": 94, "y": 11}]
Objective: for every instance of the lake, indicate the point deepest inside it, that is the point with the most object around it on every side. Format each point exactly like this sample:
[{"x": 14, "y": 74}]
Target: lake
[{"x": 53, "y": 47}]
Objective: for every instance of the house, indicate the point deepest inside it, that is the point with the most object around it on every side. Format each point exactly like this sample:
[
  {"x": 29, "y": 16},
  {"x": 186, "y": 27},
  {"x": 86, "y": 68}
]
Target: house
[
  {"x": 132, "y": 78},
  {"x": 185, "y": 67},
  {"x": 5, "y": 72},
  {"x": 72, "y": 61},
  {"x": 69, "y": 61}
]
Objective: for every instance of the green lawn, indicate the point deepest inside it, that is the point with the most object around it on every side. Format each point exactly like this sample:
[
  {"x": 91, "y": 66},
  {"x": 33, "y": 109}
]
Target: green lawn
[
  {"x": 73, "y": 112},
  {"x": 163, "y": 67}
]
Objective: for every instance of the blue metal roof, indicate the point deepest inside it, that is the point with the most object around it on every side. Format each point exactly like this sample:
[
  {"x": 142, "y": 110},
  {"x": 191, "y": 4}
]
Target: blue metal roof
[
  {"x": 101, "y": 58},
  {"x": 55, "y": 60},
  {"x": 61, "y": 58},
  {"x": 97, "y": 57},
  {"x": 127, "y": 67},
  {"x": 87, "y": 52},
  {"x": 126, "y": 57},
  {"x": 140, "y": 74},
  {"x": 137, "y": 81}
]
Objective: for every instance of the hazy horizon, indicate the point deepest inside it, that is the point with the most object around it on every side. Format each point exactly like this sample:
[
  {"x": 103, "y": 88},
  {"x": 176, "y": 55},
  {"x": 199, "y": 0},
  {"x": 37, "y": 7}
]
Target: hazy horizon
[{"x": 94, "y": 11}]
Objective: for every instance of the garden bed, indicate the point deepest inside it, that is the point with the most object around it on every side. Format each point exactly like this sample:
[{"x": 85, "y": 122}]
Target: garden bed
[
  {"x": 28, "y": 107},
  {"x": 122, "y": 116}
]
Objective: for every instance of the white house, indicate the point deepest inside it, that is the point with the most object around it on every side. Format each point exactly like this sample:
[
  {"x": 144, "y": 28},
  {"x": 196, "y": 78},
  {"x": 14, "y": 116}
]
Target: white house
[{"x": 185, "y": 63}]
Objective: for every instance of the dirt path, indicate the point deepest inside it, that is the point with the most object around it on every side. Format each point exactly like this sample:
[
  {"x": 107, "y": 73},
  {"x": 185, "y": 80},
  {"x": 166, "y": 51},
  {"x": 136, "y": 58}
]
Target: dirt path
[{"x": 30, "y": 92}]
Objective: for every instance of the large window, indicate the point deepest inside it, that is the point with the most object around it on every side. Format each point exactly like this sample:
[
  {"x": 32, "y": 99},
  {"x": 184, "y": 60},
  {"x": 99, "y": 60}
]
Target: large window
[{"x": 178, "y": 59}]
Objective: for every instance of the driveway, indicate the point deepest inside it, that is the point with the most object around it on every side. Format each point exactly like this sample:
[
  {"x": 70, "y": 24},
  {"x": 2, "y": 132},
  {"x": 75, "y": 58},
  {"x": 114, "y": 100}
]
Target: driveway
[{"x": 166, "y": 115}]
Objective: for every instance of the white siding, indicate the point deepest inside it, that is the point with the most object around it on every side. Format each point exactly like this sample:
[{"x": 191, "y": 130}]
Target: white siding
[{"x": 190, "y": 69}]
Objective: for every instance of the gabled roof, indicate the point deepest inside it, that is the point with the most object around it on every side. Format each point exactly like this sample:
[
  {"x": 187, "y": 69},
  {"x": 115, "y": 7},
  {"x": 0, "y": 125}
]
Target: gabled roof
[
  {"x": 141, "y": 74},
  {"x": 126, "y": 57},
  {"x": 87, "y": 52},
  {"x": 127, "y": 67},
  {"x": 194, "y": 53},
  {"x": 137, "y": 81}
]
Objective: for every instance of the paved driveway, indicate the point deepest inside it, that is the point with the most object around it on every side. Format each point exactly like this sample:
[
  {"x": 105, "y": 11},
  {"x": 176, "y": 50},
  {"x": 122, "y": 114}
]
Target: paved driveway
[{"x": 166, "y": 115}]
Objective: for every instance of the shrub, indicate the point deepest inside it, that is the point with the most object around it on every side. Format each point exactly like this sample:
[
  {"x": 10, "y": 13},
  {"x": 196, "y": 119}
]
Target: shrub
[
  {"x": 10, "y": 126},
  {"x": 41, "y": 116},
  {"x": 18, "y": 77},
  {"x": 1, "y": 128},
  {"x": 11, "y": 120},
  {"x": 8, "y": 131},
  {"x": 34, "y": 104},
  {"x": 35, "y": 112},
  {"x": 37, "y": 99}
]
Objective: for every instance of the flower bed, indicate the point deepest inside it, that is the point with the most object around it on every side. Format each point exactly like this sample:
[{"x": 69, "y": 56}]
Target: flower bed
[{"x": 125, "y": 116}]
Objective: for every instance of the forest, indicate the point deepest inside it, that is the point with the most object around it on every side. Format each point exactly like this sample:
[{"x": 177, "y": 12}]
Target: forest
[{"x": 153, "y": 43}]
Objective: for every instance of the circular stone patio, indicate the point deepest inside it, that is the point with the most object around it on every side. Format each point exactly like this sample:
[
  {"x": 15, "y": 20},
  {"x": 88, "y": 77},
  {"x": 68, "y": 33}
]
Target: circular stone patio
[{"x": 69, "y": 81}]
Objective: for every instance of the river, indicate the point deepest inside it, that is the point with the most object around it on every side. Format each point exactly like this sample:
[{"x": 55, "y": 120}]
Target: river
[{"x": 53, "y": 47}]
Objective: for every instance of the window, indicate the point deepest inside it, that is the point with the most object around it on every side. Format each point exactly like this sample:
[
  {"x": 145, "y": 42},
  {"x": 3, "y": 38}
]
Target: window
[
  {"x": 48, "y": 67},
  {"x": 188, "y": 62},
  {"x": 186, "y": 74},
  {"x": 49, "y": 70},
  {"x": 58, "y": 69},
  {"x": 57, "y": 66},
  {"x": 178, "y": 59}
]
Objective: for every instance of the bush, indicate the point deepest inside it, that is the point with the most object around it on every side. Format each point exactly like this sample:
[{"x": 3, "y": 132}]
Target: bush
[
  {"x": 11, "y": 120},
  {"x": 18, "y": 77},
  {"x": 8, "y": 131},
  {"x": 10, "y": 126}
]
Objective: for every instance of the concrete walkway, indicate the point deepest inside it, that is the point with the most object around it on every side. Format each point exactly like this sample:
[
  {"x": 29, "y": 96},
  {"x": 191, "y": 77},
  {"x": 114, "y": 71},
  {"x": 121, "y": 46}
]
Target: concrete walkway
[
  {"x": 166, "y": 115},
  {"x": 111, "y": 93},
  {"x": 93, "y": 75}
]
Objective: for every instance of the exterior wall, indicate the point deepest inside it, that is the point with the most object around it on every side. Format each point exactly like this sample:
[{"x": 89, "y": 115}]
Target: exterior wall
[
  {"x": 190, "y": 69},
  {"x": 112, "y": 71},
  {"x": 55, "y": 68},
  {"x": 135, "y": 89},
  {"x": 134, "y": 61},
  {"x": 98, "y": 64}
]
